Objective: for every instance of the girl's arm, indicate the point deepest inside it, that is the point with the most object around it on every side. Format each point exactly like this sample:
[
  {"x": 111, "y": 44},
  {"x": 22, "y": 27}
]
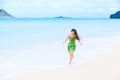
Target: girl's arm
[
  {"x": 79, "y": 41},
  {"x": 66, "y": 40}
]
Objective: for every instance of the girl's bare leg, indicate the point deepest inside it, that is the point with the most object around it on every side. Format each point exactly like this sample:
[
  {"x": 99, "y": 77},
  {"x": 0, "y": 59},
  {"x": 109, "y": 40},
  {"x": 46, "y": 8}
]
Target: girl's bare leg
[{"x": 71, "y": 56}]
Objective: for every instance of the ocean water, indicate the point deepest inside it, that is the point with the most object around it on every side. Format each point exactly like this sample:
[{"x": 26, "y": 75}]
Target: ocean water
[{"x": 33, "y": 43}]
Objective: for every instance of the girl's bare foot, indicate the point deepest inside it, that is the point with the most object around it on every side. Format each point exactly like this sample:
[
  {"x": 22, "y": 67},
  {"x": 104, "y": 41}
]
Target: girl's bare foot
[{"x": 70, "y": 63}]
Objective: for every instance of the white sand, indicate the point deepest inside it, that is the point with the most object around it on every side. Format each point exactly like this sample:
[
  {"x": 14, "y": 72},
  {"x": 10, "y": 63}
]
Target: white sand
[{"x": 101, "y": 67}]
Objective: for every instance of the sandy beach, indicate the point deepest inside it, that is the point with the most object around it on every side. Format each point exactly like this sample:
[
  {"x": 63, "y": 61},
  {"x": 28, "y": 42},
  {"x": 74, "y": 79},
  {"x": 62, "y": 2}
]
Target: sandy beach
[{"x": 101, "y": 67}]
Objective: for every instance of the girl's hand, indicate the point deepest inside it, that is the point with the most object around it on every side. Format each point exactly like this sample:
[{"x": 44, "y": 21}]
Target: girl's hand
[
  {"x": 80, "y": 43},
  {"x": 66, "y": 40},
  {"x": 63, "y": 42}
]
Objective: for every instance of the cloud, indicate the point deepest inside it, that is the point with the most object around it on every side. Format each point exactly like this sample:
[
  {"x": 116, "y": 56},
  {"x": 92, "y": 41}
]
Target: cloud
[{"x": 41, "y": 8}]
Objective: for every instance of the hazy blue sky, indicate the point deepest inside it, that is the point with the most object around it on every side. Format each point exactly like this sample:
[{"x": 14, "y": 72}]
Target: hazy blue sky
[{"x": 50, "y": 8}]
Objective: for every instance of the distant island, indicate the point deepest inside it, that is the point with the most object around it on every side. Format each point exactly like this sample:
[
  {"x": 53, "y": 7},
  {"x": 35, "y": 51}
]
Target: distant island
[
  {"x": 62, "y": 17},
  {"x": 4, "y": 14},
  {"x": 115, "y": 16}
]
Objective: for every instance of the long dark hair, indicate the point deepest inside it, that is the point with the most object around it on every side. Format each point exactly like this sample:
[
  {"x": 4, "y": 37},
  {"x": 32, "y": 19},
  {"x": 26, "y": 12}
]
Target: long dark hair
[{"x": 76, "y": 34}]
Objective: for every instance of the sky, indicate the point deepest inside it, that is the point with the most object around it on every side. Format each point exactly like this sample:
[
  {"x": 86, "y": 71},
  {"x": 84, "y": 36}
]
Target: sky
[{"x": 52, "y": 8}]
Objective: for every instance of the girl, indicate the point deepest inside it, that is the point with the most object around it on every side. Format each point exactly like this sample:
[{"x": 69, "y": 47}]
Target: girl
[{"x": 73, "y": 36}]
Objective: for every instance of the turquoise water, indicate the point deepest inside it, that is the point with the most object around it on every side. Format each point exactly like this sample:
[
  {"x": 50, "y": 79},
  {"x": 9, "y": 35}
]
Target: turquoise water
[
  {"x": 29, "y": 44},
  {"x": 16, "y": 32}
]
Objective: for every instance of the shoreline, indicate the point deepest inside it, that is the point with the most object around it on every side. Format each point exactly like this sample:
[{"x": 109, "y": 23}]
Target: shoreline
[
  {"x": 102, "y": 66},
  {"x": 101, "y": 52},
  {"x": 14, "y": 73}
]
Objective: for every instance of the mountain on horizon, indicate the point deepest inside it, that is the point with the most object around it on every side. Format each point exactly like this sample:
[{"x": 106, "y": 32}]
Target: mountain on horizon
[
  {"x": 62, "y": 17},
  {"x": 116, "y": 15},
  {"x": 4, "y": 14}
]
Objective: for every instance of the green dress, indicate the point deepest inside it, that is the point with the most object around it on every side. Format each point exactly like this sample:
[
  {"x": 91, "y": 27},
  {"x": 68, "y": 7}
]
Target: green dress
[{"x": 71, "y": 44}]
